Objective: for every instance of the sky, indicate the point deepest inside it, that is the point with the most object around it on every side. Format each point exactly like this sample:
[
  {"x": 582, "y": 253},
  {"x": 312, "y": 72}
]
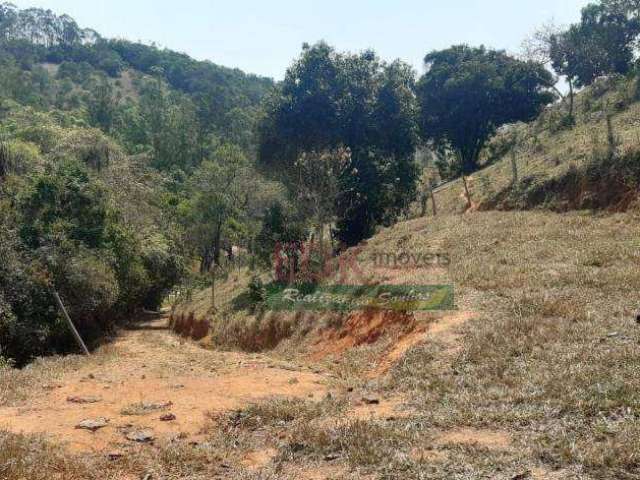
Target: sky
[{"x": 264, "y": 37}]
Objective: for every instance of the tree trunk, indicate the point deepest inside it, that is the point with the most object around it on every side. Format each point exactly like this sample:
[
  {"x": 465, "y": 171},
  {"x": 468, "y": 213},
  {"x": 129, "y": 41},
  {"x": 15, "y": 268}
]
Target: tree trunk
[
  {"x": 4, "y": 160},
  {"x": 213, "y": 289},
  {"x": 320, "y": 230},
  {"x": 206, "y": 261},
  {"x": 466, "y": 190},
  {"x": 571, "y": 98},
  {"x": 216, "y": 244}
]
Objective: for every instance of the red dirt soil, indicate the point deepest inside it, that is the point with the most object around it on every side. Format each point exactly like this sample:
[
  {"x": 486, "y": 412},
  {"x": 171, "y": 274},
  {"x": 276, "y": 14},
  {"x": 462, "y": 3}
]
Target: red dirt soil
[{"x": 153, "y": 367}]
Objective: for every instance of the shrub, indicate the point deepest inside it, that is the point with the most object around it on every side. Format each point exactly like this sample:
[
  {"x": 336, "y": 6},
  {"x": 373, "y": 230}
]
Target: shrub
[
  {"x": 89, "y": 146},
  {"x": 164, "y": 266},
  {"x": 27, "y": 315},
  {"x": 90, "y": 290},
  {"x": 256, "y": 293}
]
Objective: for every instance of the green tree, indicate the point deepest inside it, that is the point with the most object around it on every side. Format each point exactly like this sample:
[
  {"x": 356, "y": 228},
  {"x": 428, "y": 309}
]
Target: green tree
[
  {"x": 602, "y": 43},
  {"x": 102, "y": 105},
  {"x": 171, "y": 125},
  {"x": 467, "y": 93},
  {"x": 318, "y": 185},
  {"x": 218, "y": 194},
  {"x": 63, "y": 203},
  {"x": 279, "y": 225},
  {"x": 331, "y": 100}
]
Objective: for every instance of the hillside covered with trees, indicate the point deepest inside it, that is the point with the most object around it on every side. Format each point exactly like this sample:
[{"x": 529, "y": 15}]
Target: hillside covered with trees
[
  {"x": 357, "y": 272},
  {"x": 101, "y": 143},
  {"x": 127, "y": 170}
]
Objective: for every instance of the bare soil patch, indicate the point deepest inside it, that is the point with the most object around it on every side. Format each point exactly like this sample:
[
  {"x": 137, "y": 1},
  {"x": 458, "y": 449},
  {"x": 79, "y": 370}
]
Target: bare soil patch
[
  {"x": 443, "y": 329},
  {"x": 152, "y": 368}
]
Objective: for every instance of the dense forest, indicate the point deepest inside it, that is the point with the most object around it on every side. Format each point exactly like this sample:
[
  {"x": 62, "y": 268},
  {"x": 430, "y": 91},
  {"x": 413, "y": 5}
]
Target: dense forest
[
  {"x": 102, "y": 143},
  {"x": 126, "y": 169}
]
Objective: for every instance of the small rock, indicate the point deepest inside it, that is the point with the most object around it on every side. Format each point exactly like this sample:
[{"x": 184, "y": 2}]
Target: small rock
[
  {"x": 88, "y": 399},
  {"x": 169, "y": 417},
  {"x": 114, "y": 455},
  {"x": 140, "y": 436},
  {"x": 51, "y": 387},
  {"x": 371, "y": 400},
  {"x": 93, "y": 424}
]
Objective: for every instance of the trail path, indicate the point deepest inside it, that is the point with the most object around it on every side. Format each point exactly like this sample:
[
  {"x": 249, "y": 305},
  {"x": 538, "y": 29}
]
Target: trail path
[{"x": 146, "y": 374}]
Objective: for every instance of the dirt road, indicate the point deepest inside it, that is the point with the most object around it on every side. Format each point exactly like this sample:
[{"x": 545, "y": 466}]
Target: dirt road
[{"x": 151, "y": 383}]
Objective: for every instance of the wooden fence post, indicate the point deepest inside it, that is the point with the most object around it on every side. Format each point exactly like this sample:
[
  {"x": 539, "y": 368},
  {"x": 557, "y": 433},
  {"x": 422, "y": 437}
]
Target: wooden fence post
[{"x": 433, "y": 199}]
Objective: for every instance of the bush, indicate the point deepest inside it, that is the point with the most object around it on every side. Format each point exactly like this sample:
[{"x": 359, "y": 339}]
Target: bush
[
  {"x": 88, "y": 146},
  {"x": 20, "y": 157},
  {"x": 27, "y": 314},
  {"x": 164, "y": 266},
  {"x": 64, "y": 235},
  {"x": 256, "y": 293},
  {"x": 90, "y": 290}
]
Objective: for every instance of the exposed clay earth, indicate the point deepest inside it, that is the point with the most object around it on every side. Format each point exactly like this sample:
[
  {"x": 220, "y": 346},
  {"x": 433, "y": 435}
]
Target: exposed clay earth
[{"x": 152, "y": 385}]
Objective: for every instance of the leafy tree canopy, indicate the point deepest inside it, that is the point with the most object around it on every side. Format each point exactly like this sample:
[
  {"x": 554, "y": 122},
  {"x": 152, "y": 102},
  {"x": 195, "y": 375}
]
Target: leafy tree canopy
[
  {"x": 602, "y": 43},
  {"x": 467, "y": 93},
  {"x": 330, "y": 100}
]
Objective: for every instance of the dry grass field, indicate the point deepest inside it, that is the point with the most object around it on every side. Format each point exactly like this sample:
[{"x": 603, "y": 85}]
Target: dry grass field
[
  {"x": 547, "y": 153},
  {"x": 535, "y": 376}
]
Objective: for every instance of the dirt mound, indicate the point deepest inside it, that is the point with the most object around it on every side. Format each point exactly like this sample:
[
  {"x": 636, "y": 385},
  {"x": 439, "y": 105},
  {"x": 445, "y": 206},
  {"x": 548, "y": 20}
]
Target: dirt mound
[
  {"x": 189, "y": 327},
  {"x": 586, "y": 187},
  {"x": 360, "y": 328},
  {"x": 443, "y": 329}
]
